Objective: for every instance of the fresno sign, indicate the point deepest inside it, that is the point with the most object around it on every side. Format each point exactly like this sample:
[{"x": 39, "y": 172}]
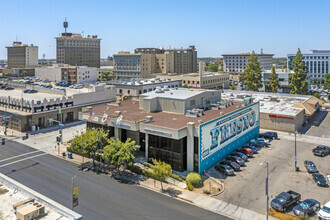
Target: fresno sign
[{"x": 281, "y": 116}]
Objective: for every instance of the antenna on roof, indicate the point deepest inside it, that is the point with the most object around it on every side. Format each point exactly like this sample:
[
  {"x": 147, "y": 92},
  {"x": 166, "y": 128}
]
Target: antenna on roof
[{"x": 65, "y": 24}]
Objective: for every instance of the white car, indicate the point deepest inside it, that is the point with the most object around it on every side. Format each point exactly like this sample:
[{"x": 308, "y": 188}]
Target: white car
[{"x": 324, "y": 212}]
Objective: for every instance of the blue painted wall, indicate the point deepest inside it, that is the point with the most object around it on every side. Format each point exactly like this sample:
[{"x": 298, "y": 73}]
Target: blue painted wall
[{"x": 230, "y": 147}]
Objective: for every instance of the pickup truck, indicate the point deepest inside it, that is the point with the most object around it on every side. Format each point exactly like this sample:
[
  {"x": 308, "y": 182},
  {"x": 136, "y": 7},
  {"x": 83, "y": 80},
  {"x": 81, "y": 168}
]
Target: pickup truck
[
  {"x": 321, "y": 150},
  {"x": 284, "y": 200}
]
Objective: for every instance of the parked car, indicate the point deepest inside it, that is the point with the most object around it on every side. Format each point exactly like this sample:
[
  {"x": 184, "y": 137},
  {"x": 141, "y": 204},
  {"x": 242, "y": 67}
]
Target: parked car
[
  {"x": 319, "y": 179},
  {"x": 241, "y": 155},
  {"x": 32, "y": 91},
  {"x": 247, "y": 151},
  {"x": 253, "y": 148},
  {"x": 236, "y": 159},
  {"x": 307, "y": 207},
  {"x": 46, "y": 80},
  {"x": 9, "y": 88},
  {"x": 321, "y": 150},
  {"x": 324, "y": 212},
  {"x": 224, "y": 169},
  {"x": 259, "y": 142},
  {"x": 232, "y": 164},
  {"x": 310, "y": 166},
  {"x": 285, "y": 200},
  {"x": 269, "y": 135},
  {"x": 26, "y": 90},
  {"x": 3, "y": 87}
]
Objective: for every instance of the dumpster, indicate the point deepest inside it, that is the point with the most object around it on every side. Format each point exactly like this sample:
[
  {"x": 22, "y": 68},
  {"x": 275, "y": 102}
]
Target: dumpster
[{"x": 70, "y": 155}]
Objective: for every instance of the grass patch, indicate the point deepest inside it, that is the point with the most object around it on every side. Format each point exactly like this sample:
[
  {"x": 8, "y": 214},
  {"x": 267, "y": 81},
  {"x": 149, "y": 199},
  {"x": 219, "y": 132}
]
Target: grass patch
[{"x": 282, "y": 216}]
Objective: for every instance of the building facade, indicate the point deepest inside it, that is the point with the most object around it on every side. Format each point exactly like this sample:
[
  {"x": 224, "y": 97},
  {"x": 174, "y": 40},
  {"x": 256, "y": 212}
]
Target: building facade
[
  {"x": 73, "y": 49},
  {"x": 236, "y": 63},
  {"x": 22, "y": 55},
  {"x": 283, "y": 78},
  {"x": 317, "y": 63},
  {"x": 67, "y": 73},
  {"x": 146, "y": 61},
  {"x": 191, "y": 129}
]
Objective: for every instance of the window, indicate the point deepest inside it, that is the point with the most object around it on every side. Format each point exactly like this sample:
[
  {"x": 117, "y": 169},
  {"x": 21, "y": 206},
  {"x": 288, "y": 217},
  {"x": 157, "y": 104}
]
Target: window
[{"x": 192, "y": 102}]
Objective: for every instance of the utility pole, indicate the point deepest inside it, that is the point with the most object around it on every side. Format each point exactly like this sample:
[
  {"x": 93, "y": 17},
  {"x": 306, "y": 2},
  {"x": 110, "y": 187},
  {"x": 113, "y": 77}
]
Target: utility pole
[{"x": 267, "y": 196}]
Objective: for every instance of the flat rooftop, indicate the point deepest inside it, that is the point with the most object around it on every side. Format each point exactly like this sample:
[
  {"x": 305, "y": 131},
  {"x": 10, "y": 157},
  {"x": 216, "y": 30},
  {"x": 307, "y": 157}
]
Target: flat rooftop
[
  {"x": 131, "y": 112},
  {"x": 138, "y": 82},
  {"x": 180, "y": 93},
  {"x": 18, "y": 93},
  {"x": 282, "y": 105}
]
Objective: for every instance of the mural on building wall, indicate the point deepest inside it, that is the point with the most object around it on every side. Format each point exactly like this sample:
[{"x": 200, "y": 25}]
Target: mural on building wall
[{"x": 216, "y": 134}]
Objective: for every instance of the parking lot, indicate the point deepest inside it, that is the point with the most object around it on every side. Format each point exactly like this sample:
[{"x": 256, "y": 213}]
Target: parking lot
[{"x": 247, "y": 188}]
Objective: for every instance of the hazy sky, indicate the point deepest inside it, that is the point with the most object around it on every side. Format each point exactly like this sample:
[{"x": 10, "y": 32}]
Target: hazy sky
[{"x": 214, "y": 27}]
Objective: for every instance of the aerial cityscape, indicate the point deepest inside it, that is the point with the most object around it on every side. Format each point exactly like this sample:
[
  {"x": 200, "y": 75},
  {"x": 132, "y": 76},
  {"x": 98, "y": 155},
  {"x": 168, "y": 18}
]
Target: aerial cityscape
[{"x": 145, "y": 109}]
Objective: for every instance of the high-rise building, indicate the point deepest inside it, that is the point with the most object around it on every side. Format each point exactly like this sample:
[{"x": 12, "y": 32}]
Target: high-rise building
[
  {"x": 22, "y": 55},
  {"x": 74, "y": 49},
  {"x": 146, "y": 61},
  {"x": 236, "y": 63},
  {"x": 316, "y": 61}
]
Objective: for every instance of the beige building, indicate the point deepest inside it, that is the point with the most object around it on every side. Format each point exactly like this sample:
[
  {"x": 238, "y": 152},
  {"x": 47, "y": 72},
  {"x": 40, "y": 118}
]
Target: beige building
[
  {"x": 73, "y": 49},
  {"x": 22, "y": 55},
  {"x": 146, "y": 61},
  {"x": 203, "y": 80}
]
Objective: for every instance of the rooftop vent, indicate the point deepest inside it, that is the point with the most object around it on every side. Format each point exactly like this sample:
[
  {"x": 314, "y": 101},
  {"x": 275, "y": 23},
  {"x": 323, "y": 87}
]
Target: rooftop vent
[{"x": 166, "y": 88}]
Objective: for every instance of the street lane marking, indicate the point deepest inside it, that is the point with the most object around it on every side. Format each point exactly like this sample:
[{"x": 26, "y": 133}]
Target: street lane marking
[
  {"x": 27, "y": 158},
  {"x": 19, "y": 155}
]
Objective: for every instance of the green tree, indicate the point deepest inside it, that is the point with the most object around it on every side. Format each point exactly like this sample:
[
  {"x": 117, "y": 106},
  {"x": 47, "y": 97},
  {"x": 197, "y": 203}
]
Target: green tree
[
  {"x": 212, "y": 67},
  {"x": 233, "y": 87},
  {"x": 252, "y": 73},
  {"x": 326, "y": 81},
  {"x": 274, "y": 81},
  {"x": 329, "y": 97},
  {"x": 120, "y": 153},
  {"x": 107, "y": 76},
  {"x": 90, "y": 142},
  {"x": 162, "y": 170},
  {"x": 185, "y": 85},
  {"x": 317, "y": 95},
  {"x": 298, "y": 81},
  {"x": 221, "y": 68}
]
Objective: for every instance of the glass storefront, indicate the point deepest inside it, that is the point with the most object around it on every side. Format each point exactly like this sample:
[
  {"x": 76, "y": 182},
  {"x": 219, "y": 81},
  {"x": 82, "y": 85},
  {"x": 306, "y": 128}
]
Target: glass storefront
[{"x": 171, "y": 151}]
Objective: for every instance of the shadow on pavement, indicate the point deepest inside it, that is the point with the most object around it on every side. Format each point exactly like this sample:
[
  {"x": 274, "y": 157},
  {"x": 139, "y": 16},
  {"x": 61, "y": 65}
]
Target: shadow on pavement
[{"x": 318, "y": 118}]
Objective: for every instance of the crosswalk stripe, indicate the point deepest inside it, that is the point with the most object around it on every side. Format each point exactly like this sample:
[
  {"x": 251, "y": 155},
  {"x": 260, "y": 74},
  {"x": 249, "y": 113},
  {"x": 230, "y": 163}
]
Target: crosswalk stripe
[
  {"x": 19, "y": 156},
  {"x": 27, "y": 158}
]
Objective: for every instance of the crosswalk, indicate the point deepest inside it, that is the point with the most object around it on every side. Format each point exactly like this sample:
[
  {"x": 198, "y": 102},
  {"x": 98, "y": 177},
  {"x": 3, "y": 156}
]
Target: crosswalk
[{"x": 24, "y": 157}]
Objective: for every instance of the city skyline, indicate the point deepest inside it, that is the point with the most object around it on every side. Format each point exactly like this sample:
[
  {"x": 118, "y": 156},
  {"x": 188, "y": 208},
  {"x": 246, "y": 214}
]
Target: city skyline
[{"x": 214, "y": 27}]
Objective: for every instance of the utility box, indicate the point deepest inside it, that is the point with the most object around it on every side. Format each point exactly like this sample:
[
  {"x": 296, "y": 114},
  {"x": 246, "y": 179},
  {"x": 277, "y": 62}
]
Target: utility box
[{"x": 30, "y": 211}]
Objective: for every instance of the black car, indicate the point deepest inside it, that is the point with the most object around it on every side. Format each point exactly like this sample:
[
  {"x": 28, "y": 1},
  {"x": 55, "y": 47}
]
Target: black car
[
  {"x": 321, "y": 150},
  {"x": 32, "y": 91},
  {"x": 236, "y": 159},
  {"x": 224, "y": 169},
  {"x": 310, "y": 166},
  {"x": 319, "y": 179},
  {"x": 232, "y": 164},
  {"x": 26, "y": 90},
  {"x": 308, "y": 206},
  {"x": 9, "y": 88},
  {"x": 269, "y": 135},
  {"x": 284, "y": 200},
  {"x": 239, "y": 154}
]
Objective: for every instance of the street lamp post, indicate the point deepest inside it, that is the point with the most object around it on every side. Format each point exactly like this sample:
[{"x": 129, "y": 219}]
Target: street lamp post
[
  {"x": 100, "y": 149},
  {"x": 267, "y": 196},
  {"x": 295, "y": 147},
  {"x": 72, "y": 185}
]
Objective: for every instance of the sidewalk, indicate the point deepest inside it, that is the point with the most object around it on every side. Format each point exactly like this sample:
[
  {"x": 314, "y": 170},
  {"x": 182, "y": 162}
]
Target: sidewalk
[
  {"x": 203, "y": 201},
  {"x": 300, "y": 137}
]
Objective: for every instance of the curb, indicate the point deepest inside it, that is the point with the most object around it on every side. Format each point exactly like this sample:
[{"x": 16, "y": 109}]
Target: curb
[{"x": 219, "y": 182}]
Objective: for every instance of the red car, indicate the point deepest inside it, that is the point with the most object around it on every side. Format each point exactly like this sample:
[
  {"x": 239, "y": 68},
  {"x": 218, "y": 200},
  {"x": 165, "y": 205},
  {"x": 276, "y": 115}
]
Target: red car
[{"x": 247, "y": 151}]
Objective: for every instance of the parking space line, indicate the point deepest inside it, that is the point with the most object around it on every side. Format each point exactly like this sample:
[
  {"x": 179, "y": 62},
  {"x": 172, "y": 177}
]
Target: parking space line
[
  {"x": 19, "y": 156},
  {"x": 27, "y": 158}
]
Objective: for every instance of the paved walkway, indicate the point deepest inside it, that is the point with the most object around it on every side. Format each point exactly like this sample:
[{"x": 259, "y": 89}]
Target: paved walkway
[
  {"x": 203, "y": 201},
  {"x": 301, "y": 137}
]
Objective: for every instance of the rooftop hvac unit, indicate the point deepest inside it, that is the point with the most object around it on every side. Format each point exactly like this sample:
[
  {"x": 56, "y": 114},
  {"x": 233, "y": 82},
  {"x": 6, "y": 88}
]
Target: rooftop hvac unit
[
  {"x": 191, "y": 113},
  {"x": 166, "y": 88},
  {"x": 30, "y": 211},
  {"x": 158, "y": 90}
]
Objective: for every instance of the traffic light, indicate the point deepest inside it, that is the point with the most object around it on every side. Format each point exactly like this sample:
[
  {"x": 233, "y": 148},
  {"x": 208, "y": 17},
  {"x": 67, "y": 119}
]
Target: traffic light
[
  {"x": 25, "y": 137},
  {"x": 3, "y": 141},
  {"x": 58, "y": 139}
]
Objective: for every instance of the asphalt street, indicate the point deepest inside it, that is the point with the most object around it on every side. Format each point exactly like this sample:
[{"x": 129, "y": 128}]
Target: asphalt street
[{"x": 100, "y": 196}]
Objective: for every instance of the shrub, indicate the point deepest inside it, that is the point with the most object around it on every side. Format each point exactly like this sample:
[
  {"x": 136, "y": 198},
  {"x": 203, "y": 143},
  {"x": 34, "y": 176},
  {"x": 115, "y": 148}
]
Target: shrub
[
  {"x": 177, "y": 177},
  {"x": 194, "y": 179},
  {"x": 151, "y": 174},
  {"x": 148, "y": 165},
  {"x": 190, "y": 187},
  {"x": 135, "y": 169}
]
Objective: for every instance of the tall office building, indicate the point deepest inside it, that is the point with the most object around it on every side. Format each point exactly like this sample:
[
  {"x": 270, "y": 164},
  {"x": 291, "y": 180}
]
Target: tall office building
[
  {"x": 236, "y": 63},
  {"x": 22, "y": 55},
  {"x": 146, "y": 61},
  {"x": 74, "y": 49},
  {"x": 316, "y": 61}
]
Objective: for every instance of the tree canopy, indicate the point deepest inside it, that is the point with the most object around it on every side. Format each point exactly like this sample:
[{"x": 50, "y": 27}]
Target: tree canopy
[
  {"x": 326, "y": 81},
  {"x": 162, "y": 170},
  {"x": 212, "y": 67},
  {"x": 107, "y": 76},
  {"x": 274, "y": 81},
  {"x": 252, "y": 73},
  {"x": 298, "y": 81},
  {"x": 120, "y": 153}
]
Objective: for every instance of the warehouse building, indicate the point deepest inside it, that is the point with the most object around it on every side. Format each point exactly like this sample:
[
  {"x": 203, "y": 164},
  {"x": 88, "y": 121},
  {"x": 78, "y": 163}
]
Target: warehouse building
[{"x": 191, "y": 129}]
